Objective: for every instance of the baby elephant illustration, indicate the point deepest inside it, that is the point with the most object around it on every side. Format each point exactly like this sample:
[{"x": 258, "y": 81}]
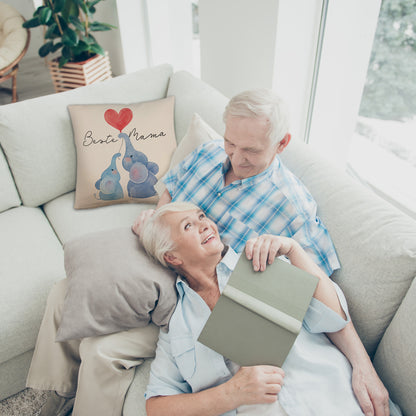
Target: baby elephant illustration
[
  {"x": 109, "y": 183},
  {"x": 141, "y": 171}
]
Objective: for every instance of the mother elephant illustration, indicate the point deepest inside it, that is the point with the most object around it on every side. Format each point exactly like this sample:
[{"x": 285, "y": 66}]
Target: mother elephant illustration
[{"x": 141, "y": 171}]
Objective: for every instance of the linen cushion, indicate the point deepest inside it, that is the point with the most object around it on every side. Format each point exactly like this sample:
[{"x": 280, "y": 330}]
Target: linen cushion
[
  {"x": 374, "y": 241},
  {"x": 113, "y": 286},
  {"x": 46, "y": 131},
  {"x": 394, "y": 359},
  {"x": 198, "y": 133},
  {"x": 122, "y": 150},
  {"x": 31, "y": 261},
  {"x": 70, "y": 223}
]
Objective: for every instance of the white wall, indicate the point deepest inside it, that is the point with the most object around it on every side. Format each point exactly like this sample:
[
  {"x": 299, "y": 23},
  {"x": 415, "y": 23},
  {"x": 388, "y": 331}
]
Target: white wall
[
  {"x": 268, "y": 44},
  {"x": 170, "y": 33},
  {"x": 238, "y": 42}
]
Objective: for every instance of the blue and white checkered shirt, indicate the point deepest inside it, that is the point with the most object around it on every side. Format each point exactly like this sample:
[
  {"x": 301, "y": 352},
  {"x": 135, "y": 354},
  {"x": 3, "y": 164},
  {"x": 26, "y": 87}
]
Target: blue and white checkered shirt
[{"x": 272, "y": 202}]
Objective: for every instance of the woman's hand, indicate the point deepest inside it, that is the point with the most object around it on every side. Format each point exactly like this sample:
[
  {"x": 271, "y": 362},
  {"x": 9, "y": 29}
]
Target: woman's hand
[
  {"x": 255, "y": 385},
  {"x": 264, "y": 249},
  {"x": 141, "y": 219}
]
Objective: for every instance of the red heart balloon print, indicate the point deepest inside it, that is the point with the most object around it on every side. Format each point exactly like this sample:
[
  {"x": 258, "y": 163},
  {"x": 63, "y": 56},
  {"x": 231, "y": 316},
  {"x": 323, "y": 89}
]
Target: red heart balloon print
[{"x": 118, "y": 120}]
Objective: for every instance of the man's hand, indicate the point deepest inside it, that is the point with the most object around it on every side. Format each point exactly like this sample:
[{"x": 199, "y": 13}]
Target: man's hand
[
  {"x": 255, "y": 385},
  {"x": 141, "y": 219},
  {"x": 264, "y": 249},
  {"x": 370, "y": 392}
]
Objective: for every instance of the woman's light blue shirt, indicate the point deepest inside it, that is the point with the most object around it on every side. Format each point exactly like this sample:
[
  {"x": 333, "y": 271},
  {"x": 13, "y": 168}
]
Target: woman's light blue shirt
[{"x": 317, "y": 375}]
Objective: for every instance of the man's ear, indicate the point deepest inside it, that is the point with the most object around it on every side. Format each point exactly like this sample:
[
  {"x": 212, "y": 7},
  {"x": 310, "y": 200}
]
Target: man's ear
[
  {"x": 283, "y": 143},
  {"x": 170, "y": 258}
]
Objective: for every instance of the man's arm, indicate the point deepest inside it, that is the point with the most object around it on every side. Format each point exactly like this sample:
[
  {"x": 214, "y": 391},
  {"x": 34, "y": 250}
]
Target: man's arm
[{"x": 368, "y": 388}]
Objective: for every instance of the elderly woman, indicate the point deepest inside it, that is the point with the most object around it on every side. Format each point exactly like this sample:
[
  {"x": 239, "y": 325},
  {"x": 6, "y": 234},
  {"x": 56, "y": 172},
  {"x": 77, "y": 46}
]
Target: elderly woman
[{"x": 188, "y": 378}]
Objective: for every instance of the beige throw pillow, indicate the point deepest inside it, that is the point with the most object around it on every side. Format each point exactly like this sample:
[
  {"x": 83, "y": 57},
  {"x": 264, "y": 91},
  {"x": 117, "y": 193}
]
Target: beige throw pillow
[{"x": 122, "y": 151}]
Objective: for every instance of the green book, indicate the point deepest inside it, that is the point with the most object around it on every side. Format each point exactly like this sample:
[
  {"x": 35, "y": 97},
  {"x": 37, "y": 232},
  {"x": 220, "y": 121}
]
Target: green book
[{"x": 259, "y": 314}]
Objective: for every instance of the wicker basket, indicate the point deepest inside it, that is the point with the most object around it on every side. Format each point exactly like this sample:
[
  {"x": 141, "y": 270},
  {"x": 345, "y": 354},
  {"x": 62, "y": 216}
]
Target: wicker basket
[{"x": 78, "y": 74}]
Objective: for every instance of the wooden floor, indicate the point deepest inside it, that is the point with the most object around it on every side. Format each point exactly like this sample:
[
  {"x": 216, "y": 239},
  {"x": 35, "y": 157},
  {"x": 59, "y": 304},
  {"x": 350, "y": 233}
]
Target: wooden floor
[{"x": 33, "y": 80}]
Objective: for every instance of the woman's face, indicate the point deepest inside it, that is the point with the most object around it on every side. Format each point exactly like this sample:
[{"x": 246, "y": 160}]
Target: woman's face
[{"x": 195, "y": 236}]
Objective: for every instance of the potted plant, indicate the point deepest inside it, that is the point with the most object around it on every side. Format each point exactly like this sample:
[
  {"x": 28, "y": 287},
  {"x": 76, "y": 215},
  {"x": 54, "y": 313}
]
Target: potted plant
[{"x": 68, "y": 32}]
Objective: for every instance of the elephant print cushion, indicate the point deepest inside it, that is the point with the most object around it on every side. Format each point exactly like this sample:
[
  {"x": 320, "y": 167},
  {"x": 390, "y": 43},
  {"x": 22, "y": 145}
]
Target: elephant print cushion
[{"x": 122, "y": 151}]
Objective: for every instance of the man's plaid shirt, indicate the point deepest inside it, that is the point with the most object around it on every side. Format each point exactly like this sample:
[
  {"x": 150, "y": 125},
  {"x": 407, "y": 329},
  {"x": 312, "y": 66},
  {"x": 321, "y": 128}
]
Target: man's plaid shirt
[{"x": 273, "y": 202}]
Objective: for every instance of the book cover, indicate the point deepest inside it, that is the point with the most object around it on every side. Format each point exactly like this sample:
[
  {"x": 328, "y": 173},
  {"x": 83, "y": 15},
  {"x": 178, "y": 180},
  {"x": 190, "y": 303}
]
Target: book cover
[{"x": 259, "y": 314}]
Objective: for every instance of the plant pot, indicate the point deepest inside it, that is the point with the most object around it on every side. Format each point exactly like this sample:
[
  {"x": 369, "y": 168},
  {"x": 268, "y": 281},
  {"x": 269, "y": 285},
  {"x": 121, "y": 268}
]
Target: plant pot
[{"x": 78, "y": 74}]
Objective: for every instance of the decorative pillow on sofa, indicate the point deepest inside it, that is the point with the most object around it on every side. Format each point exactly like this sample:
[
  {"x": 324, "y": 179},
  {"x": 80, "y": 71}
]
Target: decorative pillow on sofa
[
  {"x": 122, "y": 151},
  {"x": 113, "y": 285},
  {"x": 198, "y": 133}
]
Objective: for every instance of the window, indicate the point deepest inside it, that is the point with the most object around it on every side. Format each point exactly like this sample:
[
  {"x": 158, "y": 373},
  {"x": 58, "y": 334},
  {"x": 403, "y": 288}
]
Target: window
[{"x": 383, "y": 147}]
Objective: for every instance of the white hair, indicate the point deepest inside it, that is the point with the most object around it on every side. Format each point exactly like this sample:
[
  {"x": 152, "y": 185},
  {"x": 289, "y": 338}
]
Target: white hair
[
  {"x": 262, "y": 104},
  {"x": 156, "y": 236}
]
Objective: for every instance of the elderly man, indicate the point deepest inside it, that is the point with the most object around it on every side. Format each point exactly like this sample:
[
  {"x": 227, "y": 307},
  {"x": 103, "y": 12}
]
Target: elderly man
[{"x": 241, "y": 185}]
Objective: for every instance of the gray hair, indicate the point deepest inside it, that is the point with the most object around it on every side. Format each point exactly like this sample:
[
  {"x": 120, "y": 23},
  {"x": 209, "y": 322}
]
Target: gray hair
[
  {"x": 261, "y": 103},
  {"x": 155, "y": 235}
]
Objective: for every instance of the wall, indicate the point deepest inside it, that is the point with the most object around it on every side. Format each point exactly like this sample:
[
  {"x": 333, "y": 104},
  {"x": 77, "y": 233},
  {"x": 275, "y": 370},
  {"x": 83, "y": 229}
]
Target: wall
[
  {"x": 245, "y": 46},
  {"x": 238, "y": 41}
]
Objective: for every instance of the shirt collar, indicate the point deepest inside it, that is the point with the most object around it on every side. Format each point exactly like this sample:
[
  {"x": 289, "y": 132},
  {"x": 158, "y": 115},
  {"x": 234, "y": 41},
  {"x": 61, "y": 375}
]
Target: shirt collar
[
  {"x": 252, "y": 180},
  {"x": 224, "y": 269}
]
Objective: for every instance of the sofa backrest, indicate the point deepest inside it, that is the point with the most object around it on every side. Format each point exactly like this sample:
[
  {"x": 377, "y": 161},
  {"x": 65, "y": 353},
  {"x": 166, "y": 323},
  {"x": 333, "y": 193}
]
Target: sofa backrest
[
  {"x": 9, "y": 196},
  {"x": 194, "y": 96},
  {"x": 375, "y": 242},
  {"x": 42, "y": 127}
]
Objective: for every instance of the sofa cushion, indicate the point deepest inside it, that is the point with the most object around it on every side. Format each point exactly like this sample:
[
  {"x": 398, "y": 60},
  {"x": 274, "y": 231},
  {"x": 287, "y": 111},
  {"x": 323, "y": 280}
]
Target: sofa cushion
[
  {"x": 31, "y": 260},
  {"x": 394, "y": 359},
  {"x": 374, "y": 241},
  {"x": 134, "y": 404},
  {"x": 9, "y": 196},
  {"x": 69, "y": 223},
  {"x": 113, "y": 286},
  {"x": 122, "y": 151},
  {"x": 47, "y": 133},
  {"x": 198, "y": 132},
  {"x": 195, "y": 96}
]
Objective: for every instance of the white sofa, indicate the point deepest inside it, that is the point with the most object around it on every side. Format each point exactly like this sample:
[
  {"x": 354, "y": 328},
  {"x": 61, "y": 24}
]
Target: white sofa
[{"x": 376, "y": 244}]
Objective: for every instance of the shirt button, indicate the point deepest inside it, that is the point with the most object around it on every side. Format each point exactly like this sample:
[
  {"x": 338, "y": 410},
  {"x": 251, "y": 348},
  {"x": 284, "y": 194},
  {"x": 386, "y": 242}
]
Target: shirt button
[{"x": 219, "y": 194}]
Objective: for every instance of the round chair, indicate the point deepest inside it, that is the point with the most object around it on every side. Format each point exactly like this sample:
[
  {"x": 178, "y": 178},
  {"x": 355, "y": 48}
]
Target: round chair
[{"x": 14, "y": 41}]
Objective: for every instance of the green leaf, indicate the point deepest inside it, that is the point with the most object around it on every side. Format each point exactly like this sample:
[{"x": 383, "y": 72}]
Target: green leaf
[
  {"x": 66, "y": 52},
  {"x": 44, "y": 15},
  {"x": 57, "y": 46},
  {"x": 100, "y": 27},
  {"x": 70, "y": 37},
  {"x": 62, "y": 61},
  {"x": 52, "y": 31},
  {"x": 58, "y": 5},
  {"x": 77, "y": 23},
  {"x": 34, "y": 22},
  {"x": 96, "y": 48},
  {"x": 82, "y": 6},
  {"x": 45, "y": 49},
  {"x": 70, "y": 9}
]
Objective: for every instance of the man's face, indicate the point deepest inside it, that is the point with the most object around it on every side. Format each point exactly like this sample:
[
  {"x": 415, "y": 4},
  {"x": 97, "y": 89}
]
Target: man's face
[{"x": 249, "y": 149}]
